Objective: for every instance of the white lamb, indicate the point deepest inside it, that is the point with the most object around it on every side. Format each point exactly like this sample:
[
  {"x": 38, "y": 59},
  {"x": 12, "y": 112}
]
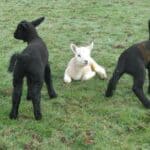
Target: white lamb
[{"x": 82, "y": 66}]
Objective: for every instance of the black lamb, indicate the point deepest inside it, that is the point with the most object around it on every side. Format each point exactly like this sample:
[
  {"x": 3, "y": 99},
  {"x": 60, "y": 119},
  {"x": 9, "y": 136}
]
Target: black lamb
[{"x": 31, "y": 63}]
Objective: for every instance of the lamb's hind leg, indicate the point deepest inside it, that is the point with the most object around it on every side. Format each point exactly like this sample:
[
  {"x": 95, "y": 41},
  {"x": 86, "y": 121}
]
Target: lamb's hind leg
[
  {"x": 116, "y": 76},
  {"x": 89, "y": 75},
  {"x": 16, "y": 97},
  {"x": 29, "y": 85},
  {"x": 113, "y": 82},
  {"x": 49, "y": 83},
  {"x": 149, "y": 79},
  {"x": 138, "y": 88},
  {"x": 36, "y": 99},
  {"x": 67, "y": 78}
]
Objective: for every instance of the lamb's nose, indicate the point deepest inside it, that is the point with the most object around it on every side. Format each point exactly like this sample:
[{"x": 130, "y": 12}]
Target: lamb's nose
[{"x": 86, "y": 62}]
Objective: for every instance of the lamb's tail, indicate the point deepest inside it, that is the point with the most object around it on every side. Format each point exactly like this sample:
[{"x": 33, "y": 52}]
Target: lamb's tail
[
  {"x": 23, "y": 60},
  {"x": 149, "y": 28},
  {"x": 12, "y": 62}
]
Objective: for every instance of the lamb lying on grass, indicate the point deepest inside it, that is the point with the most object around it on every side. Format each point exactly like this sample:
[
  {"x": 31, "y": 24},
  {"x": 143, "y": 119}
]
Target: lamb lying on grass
[{"x": 82, "y": 66}]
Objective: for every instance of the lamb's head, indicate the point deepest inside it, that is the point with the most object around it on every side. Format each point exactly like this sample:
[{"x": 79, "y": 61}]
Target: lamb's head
[
  {"x": 26, "y": 30},
  {"x": 82, "y": 54}
]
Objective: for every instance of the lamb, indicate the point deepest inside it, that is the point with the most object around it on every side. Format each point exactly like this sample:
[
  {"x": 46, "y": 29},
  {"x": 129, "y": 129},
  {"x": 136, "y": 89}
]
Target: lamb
[
  {"x": 82, "y": 66},
  {"x": 31, "y": 63},
  {"x": 133, "y": 61}
]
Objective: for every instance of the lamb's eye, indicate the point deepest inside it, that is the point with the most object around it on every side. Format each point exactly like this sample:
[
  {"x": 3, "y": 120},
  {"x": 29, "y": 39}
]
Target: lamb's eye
[{"x": 79, "y": 55}]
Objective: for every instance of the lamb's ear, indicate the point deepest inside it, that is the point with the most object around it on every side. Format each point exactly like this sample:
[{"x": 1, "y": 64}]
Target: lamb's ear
[
  {"x": 24, "y": 24},
  {"x": 73, "y": 48},
  {"x": 90, "y": 47},
  {"x": 37, "y": 21}
]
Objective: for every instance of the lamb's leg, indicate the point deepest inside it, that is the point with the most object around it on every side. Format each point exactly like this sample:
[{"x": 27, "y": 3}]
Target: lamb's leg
[
  {"x": 149, "y": 80},
  {"x": 49, "y": 83},
  {"x": 67, "y": 78},
  {"x": 29, "y": 84},
  {"x": 36, "y": 98},
  {"x": 37, "y": 82},
  {"x": 89, "y": 75},
  {"x": 138, "y": 89},
  {"x": 113, "y": 82},
  {"x": 16, "y": 97},
  {"x": 139, "y": 78},
  {"x": 98, "y": 69},
  {"x": 118, "y": 72}
]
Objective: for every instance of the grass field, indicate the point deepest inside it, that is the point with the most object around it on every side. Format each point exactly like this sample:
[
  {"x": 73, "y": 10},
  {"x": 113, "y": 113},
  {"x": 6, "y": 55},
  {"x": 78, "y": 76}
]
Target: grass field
[{"x": 81, "y": 118}]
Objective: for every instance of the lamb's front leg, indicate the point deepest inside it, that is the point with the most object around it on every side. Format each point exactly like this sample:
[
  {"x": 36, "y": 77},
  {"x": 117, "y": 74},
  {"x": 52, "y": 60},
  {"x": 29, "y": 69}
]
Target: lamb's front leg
[
  {"x": 88, "y": 75},
  {"x": 67, "y": 78},
  {"x": 98, "y": 69}
]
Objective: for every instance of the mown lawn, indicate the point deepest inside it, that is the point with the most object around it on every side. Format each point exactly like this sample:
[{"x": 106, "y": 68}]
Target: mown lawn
[{"x": 81, "y": 118}]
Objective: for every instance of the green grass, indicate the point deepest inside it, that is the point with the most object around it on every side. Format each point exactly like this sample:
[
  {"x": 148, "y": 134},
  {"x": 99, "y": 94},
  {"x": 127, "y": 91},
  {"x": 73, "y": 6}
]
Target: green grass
[{"x": 81, "y": 118}]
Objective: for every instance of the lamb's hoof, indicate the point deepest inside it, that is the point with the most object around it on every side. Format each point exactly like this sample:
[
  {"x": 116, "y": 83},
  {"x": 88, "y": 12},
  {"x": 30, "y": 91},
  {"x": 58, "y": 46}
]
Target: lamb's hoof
[
  {"x": 13, "y": 115},
  {"x": 38, "y": 116},
  {"x": 148, "y": 90},
  {"x": 103, "y": 76},
  {"x": 147, "y": 105},
  {"x": 29, "y": 98},
  {"x": 67, "y": 81},
  {"x": 108, "y": 94},
  {"x": 53, "y": 95}
]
